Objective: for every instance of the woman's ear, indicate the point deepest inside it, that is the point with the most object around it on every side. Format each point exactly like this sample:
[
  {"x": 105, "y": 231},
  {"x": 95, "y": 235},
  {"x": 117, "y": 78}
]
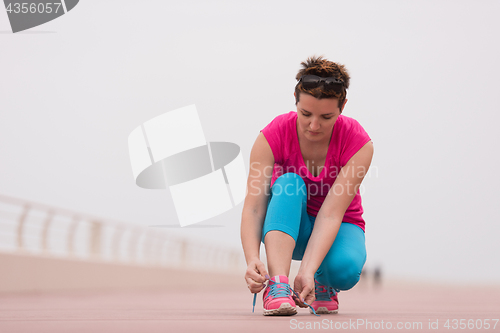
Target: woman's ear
[{"x": 343, "y": 105}]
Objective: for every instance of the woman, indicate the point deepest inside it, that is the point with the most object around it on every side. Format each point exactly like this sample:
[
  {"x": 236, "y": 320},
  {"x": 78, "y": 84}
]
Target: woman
[{"x": 314, "y": 160}]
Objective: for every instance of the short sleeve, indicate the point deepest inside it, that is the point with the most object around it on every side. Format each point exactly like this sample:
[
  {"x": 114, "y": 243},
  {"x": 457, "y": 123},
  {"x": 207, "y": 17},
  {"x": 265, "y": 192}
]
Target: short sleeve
[
  {"x": 273, "y": 134},
  {"x": 355, "y": 138}
]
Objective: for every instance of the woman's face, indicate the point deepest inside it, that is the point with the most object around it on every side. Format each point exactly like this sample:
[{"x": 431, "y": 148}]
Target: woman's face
[{"x": 316, "y": 117}]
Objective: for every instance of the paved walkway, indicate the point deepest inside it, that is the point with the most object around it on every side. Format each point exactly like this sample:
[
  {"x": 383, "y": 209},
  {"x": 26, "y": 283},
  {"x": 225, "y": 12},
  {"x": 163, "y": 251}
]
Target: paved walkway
[{"x": 183, "y": 309}]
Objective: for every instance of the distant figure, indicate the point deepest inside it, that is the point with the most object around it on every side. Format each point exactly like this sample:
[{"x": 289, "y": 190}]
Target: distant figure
[
  {"x": 363, "y": 277},
  {"x": 377, "y": 276}
]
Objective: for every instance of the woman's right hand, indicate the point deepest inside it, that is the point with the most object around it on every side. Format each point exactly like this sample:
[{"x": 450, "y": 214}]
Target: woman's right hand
[{"x": 256, "y": 275}]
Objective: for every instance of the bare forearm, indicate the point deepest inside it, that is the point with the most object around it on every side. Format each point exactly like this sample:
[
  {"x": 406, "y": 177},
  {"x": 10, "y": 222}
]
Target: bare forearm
[{"x": 251, "y": 233}]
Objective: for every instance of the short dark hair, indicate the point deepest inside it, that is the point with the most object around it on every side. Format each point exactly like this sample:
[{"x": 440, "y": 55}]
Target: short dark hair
[{"x": 317, "y": 65}]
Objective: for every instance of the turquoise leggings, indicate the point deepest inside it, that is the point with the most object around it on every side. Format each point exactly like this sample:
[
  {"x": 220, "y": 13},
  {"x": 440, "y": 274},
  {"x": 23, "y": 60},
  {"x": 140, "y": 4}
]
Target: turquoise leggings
[{"x": 287, "y": 212}]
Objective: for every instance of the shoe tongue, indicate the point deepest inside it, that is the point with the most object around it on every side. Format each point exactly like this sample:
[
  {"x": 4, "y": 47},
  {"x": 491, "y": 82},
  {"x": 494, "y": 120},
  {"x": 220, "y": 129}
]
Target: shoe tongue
[{"x": 280, "y": 279}]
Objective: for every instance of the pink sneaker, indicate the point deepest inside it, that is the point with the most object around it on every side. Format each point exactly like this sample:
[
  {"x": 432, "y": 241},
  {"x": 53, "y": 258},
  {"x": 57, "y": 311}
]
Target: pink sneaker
[
  {"x": 278, "y": 297},
  {"x": 326, "y": 299}
]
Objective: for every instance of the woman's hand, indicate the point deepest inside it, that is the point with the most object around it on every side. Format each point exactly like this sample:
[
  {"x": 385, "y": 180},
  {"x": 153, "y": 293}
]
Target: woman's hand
[
  {"x": 304, "y": 286},
  {"x": 256, "y": 275}
]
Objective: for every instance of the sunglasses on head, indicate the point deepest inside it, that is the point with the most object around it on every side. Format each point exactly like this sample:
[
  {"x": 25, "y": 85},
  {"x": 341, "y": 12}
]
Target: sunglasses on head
[{"x": 329, "y": 83}]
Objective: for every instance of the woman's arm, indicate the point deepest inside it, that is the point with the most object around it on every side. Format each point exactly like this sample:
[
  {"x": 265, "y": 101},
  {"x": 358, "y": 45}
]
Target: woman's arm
[
  {"x": 332, "y": 211},
  {"x": 254, "y": 211}
]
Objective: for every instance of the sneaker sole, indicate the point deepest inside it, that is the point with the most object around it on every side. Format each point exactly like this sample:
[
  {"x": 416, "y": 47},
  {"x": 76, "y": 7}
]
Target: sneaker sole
[
  {"x": 285, "y": 309},
  {"x": 323, "y": 310}
]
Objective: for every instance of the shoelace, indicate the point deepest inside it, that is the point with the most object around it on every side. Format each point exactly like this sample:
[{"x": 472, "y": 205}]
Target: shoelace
[
  {"x": 322, "y": 293},
  {"x": 281, "y": 292}
]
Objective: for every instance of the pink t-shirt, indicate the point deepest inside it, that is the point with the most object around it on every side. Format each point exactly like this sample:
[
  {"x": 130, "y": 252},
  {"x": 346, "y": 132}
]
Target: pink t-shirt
[{"x": 347, "y": 138}]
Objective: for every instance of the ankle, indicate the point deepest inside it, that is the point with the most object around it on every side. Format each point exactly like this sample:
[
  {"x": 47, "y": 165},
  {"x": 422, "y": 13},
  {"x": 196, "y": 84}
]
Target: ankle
[{"x": 273, "y": 274}]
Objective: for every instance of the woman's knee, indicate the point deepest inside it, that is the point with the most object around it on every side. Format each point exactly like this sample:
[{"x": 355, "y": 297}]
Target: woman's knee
[
  {"x": 342, "y": 274},
  {"x": 348, "y": 279},
  {"x": 289, "y": 184}
]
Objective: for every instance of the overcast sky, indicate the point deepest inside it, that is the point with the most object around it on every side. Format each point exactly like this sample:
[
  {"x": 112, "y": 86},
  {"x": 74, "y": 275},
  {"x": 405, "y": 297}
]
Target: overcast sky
[{"x": 424, "y": 85}]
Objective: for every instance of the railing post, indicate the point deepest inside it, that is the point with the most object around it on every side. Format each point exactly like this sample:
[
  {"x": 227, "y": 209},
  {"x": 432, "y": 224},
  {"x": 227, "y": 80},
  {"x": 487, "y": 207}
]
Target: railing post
[
  {"x": 20, "y": 227},
  {"x": 134, "y": 237},
  {"x": 235, "y": 260},
  {"x": 95, "y": 239},
  {"x": 163, "y": 243},
  {"x": 158, "y": 250},
  {"x": 153, "y": 248},
  {"x": 183, "y": 253},
  {"x": 216, "y": 257},
  {"x": 148, "y": 248},
  {"x": 117, "y": 242},
  {"x": 71, "y": 235},
  {"x": 45, "y": 231}
]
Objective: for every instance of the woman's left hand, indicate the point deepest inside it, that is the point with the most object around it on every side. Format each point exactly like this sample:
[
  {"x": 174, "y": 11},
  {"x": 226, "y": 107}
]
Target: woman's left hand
[{"x": 304, "y": 286}]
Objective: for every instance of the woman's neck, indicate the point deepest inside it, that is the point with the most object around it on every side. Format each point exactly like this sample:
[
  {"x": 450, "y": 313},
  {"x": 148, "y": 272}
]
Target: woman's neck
[{"x": 312, "y": 145}]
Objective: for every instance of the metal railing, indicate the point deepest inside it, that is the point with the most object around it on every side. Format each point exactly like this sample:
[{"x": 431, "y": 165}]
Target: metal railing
[{"x": 38, "y": 229}]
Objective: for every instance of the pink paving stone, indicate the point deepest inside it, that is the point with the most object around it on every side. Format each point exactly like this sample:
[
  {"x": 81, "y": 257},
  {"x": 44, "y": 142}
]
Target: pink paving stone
[{"x": 197, "y": 309}]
